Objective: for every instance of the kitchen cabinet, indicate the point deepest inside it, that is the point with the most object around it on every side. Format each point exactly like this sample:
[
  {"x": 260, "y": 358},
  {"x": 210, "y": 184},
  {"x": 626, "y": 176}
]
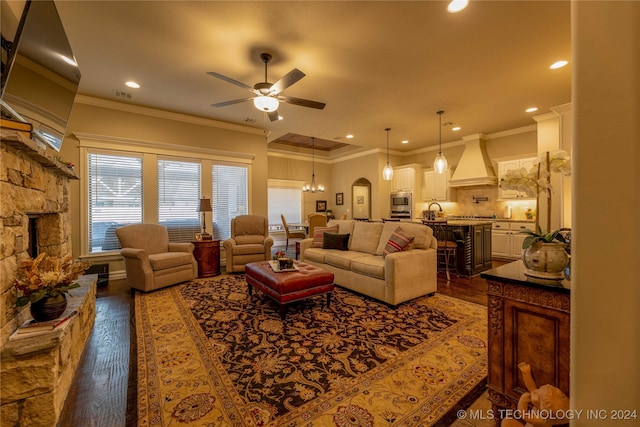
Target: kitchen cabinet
[
  {"x": 474, "y": 254},
  {"x": 435, "y": 186},
  {"x": 506, "y": 239},
  {"x": 403, "y": 180},
  {"x": 503, "y": 167},
  {"x": 528, "y": 321}
]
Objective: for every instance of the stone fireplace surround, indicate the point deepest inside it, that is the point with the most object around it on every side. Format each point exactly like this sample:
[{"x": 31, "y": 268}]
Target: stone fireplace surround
[{"x": 36, "y": 372}]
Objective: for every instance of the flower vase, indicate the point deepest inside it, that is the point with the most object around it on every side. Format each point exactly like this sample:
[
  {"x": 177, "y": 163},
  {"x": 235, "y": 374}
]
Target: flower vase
[
  {"x": 545, "y": 260},
  {"x": 48, "y": 308}
]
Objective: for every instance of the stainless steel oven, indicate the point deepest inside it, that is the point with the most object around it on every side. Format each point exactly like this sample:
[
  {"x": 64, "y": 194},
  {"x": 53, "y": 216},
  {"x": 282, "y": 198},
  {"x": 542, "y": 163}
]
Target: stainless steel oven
[{"x": 401, "y": 205}]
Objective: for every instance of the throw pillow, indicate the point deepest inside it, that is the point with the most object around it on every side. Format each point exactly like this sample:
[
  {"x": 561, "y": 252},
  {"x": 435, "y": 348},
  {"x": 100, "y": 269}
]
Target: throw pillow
[
  {"x": 336, "y": 241},
  {"x": 398, "y": 242},
  {"x": 318, "y": 235}
]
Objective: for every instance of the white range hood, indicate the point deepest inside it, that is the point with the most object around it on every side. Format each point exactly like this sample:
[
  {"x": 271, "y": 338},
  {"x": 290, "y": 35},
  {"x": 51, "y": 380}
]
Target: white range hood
[{"x": 474, "y": 167}]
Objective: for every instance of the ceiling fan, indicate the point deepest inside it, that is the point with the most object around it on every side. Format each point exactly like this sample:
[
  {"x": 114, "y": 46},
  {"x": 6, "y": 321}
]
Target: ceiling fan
[{"x": 268, "y": 96}]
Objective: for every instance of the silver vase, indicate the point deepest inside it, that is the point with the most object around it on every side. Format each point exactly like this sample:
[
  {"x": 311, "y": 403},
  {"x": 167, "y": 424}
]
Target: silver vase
[{"x": 545, "y": 260}]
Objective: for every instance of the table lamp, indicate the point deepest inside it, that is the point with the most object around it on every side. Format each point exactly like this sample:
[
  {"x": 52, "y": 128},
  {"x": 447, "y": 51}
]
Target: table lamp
[{"x": 205, "y": 206}]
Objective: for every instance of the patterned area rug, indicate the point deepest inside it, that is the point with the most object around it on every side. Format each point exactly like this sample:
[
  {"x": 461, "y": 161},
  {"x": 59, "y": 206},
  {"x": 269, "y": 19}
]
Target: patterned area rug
[{"x": 211, "y": 355}]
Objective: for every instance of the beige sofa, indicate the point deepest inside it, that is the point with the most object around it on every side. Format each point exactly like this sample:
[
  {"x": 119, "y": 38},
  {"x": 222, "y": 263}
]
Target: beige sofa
[{"x": 394, "y": 278}]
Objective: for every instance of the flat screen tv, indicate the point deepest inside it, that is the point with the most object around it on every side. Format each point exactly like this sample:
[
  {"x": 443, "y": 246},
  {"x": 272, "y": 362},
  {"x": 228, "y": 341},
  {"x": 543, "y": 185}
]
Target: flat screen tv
[{"x": 40, "y": 76}]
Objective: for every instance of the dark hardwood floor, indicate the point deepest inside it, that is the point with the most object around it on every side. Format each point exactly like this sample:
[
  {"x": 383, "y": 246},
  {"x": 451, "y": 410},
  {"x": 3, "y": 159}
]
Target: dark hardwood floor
[{"x": 98, "y": 396}]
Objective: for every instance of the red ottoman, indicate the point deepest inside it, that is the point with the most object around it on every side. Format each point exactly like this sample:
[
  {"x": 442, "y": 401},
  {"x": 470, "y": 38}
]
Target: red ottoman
[{"x": 290, "y": 286}]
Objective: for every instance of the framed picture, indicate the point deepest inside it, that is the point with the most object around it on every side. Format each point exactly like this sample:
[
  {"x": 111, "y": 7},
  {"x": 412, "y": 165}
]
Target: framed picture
[
  {"x": 360, "y": 200},
  {"x": 198, "y": 237},
  {"x": 339, "y": 198},
  {"x": 321, "y": 205}
]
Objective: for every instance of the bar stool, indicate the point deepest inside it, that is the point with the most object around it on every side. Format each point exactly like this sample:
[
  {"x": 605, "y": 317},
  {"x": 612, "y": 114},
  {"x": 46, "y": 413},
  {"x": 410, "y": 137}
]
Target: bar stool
[{"x": 447, "y": 245}]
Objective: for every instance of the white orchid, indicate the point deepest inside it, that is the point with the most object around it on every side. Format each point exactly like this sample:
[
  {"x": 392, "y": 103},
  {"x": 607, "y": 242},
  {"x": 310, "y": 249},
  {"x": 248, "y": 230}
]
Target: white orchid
[{"x": 538, "y": 178}]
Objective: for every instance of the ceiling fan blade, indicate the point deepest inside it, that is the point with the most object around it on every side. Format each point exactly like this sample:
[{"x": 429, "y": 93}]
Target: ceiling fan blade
[
  {"x": 235, "y": 101},
  {"x": 273, "y": 115},
  {"x": 230, "y": 80},
  {"x": 290, "y": 78},
  {"x": 302, "y": 102}
]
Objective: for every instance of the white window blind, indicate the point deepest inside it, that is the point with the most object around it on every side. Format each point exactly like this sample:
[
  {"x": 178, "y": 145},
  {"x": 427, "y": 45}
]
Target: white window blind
[
  {"x": 229, "y": 198},
  {"x": 115, "y": 197},
  {"x": 287, "y": 202},
  {"x": 179, "y": 198}
]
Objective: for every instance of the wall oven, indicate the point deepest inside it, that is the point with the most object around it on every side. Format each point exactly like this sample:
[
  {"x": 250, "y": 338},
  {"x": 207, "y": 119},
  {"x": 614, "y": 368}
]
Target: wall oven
[{"x": 401, "y": 205}]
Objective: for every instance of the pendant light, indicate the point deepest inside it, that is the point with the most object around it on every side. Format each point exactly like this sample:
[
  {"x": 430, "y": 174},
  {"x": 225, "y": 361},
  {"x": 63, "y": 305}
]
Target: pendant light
[
  {"x": 387, "y": 172},
  {"x": 312, "y": 188},
  {"x": 440, "y": 163}
]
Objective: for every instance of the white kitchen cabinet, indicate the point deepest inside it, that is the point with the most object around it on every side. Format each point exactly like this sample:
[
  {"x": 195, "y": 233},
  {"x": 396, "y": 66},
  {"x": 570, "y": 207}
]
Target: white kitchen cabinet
[
  {"x": 402, "y": 180},
  {"x": 503, "y": 167},
  {"x": 435, "y": 186},
  {"x": 407, "y": 179},
  {"x": 506, "y": 239}
]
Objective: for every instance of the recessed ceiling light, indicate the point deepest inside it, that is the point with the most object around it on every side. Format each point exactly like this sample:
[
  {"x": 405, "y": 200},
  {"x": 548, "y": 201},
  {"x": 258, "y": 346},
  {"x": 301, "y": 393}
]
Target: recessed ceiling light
[
  {"x": 350, "y": 136},
  {"x": 133, "y": 85},
  {"x": 531, "y": 110},
  {"x": 456, "y": 128},
  {"x": 558, "y": 64},
  {"x": 405, "y": 141},
  {"x": 457, "y": 5}
]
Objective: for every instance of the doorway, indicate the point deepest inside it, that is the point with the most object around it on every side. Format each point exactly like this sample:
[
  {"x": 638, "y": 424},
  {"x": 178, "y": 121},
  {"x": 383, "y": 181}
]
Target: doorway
[{"x": 361, "y": 199}]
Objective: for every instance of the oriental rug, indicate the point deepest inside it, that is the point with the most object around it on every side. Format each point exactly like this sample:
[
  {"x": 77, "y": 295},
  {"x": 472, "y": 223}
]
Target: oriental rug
[{"x": 208, "y": 354}]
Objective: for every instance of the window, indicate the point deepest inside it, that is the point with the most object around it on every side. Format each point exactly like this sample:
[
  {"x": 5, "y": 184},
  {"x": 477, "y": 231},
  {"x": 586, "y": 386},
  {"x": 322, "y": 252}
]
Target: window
[
  {"x": 115, "y": 197},
  {"x": 178, "y": 198},
  {"x": 284, "y": 201},
  {"x": 229, "y": 198}
]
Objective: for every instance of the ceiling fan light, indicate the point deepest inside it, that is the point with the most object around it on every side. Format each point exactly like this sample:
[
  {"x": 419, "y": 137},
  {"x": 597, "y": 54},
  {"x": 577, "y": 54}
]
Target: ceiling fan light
[{"x": 266, "y": 103}]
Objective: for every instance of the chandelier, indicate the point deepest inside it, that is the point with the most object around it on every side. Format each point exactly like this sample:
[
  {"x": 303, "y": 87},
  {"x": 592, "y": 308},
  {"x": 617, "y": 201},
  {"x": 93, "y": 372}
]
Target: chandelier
[{"x": 312, "y": 188}]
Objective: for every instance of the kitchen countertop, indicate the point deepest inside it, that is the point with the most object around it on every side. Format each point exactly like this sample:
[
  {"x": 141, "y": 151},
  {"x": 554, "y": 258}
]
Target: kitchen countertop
[{"x": 478, "y": 220}]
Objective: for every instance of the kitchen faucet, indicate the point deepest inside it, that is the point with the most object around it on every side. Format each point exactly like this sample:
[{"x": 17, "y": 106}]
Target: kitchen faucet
[{"x": 434, "y": 203}]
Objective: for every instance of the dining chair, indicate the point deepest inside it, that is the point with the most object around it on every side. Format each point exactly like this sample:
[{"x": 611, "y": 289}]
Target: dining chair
[{"x": 291, "y": 234}]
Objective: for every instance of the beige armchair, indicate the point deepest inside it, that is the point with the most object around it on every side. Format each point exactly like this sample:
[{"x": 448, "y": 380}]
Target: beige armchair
[
  {"x": 249, "y": 242},
  {"x": 151, "y": 261}
]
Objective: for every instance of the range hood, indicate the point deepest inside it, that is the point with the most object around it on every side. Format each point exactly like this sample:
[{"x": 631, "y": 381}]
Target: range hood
[{"x": 474, "y": 167}]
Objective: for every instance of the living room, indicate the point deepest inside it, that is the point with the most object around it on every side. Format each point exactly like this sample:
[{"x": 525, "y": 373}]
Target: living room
[{"x": 98, "y": 124}]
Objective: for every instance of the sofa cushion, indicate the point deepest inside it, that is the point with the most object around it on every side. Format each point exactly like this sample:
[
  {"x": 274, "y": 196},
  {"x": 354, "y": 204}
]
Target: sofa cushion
[
  {"x": 336, "y": 241},
  {"x": 398, "y": 242},
  {"x": 318, "y": 235},
  {"x": 422, "y": 235},
  {"x": 250, "y": 239},
  {"x": 365, "y": 237},
  {"x": 315, "y": 254},
  {"x": 345, "y": 226},
  {"x": 371, "y": 265},
  {"x": 341, "y": 259}
]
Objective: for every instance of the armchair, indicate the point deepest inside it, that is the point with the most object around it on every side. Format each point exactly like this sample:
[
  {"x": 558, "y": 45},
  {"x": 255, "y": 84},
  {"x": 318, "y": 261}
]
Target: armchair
[
  {"x": 151, "y": 261},
  {"x": 249, "y": 242}
]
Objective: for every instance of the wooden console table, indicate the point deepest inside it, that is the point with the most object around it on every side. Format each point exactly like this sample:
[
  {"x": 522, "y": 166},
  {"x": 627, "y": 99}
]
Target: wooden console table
[
  {"x": 528, "y": 321},
  {"x": 207, "y": 254}
]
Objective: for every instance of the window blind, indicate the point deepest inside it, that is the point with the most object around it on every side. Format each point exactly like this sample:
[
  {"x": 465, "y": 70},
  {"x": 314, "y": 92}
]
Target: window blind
[
  {"x": 285, "y": 201},
  {"x": 179, "y": 198},
  {"x": 229, "y": 198},
  {"x": 115, "y": 197}
]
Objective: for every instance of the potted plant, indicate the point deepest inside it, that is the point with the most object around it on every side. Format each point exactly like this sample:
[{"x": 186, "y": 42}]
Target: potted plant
[
  {"x": 544, "y": 252},
  {"x": 45, "y": 281}
]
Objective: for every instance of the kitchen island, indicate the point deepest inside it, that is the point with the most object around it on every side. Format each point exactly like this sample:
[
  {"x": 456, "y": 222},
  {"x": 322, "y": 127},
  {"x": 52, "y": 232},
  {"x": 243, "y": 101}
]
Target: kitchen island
[{"x": 473, "y": 254}]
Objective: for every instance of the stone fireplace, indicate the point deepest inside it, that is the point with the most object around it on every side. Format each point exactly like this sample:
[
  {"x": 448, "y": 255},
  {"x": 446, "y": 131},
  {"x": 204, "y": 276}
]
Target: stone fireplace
[{"x": 36, "y": 372}]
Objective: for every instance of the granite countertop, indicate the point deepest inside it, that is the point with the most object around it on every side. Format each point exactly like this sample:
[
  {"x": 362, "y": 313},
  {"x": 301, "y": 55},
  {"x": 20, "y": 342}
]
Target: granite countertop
[{"x": 514, "y": 273}]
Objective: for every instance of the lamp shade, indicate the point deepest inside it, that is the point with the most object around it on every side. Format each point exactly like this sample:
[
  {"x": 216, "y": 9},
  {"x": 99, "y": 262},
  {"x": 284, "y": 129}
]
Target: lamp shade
[
  {"x": 387, "y": 173},
  {"x": 440, "y": 164},
  {"x": 266, "y": 103},
  {"x": 205, "y": 205}
]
